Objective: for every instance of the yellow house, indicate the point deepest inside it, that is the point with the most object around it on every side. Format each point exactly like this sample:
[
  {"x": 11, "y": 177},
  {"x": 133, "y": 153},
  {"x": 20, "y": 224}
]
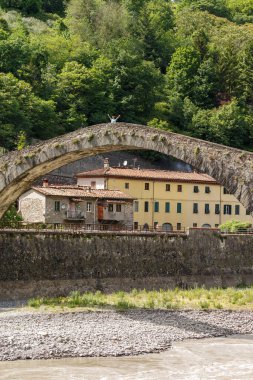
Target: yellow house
[{"x": 168, "y": 199}]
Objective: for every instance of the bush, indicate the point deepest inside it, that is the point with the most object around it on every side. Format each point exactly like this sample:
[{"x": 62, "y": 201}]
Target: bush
[{"x": 234, "y": 226}]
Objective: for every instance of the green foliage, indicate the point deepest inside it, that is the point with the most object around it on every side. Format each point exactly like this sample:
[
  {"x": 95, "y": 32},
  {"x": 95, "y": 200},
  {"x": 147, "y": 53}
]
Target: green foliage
[
  {"x": 197, "y": 298},
  {"x": 216, "y": 7},
  {"x": 11, "y": 216},
  {"x": 26, "y": 6},
  {"x": 185, "y": 66},
  {"x": 234, "y": 226},
  {"x": 22, "y": 140},
  {"x": 21, "y": 110}
]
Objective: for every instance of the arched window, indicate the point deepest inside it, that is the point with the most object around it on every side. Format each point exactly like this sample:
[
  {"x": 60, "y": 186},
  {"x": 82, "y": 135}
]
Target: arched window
[
  {"x": 146, "y": 227},
  {"x": 167, "y": 227},
  {"x": 206, "y": 226}
]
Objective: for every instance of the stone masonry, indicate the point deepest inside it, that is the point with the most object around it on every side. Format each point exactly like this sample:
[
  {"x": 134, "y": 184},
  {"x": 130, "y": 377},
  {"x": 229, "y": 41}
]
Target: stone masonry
[
  {"x": 55, "y": 263},
  {"x": 230, "y": 167}
]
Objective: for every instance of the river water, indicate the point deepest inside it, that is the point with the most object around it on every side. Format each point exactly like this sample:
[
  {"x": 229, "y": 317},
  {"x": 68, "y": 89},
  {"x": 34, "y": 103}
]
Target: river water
[{"x": 219, "y": 358}]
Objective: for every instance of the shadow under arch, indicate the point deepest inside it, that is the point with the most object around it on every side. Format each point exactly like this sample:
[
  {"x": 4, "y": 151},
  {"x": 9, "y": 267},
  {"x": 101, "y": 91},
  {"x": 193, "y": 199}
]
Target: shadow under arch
[{"x": 233, "y": 168}]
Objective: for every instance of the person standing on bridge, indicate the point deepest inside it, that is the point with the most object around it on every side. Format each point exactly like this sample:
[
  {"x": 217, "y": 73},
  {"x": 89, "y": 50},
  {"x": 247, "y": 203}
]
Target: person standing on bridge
[{"x": 114, "y": 119}]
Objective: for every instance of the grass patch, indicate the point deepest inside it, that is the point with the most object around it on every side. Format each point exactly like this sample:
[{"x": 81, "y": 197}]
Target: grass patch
[{"x": 195, "y": 299}]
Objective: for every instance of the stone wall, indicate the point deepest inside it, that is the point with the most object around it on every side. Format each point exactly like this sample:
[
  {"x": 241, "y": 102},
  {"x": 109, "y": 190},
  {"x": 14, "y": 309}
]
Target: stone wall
[{"x": 55, "y": 263}]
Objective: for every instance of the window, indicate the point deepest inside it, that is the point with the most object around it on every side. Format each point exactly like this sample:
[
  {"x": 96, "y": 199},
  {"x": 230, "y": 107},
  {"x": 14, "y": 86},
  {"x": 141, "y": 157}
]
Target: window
[
  {"x": 110, "y": 207},
  {"x": 167, "y": 207},
  {"x": 196, "y": 189},
  {"x": 227, "y": 209},
  {"x": 179, "y": 227},
  {"x": 118, "y": 208},
  {"x": 93, "y": 184},
  {"x": 167, "y": 227},
  {"x": 237, "y": 210},
  {"x": 195, "y": 208},
  {"x": 167, "y": 187},
  {"x": 126, "y": 185},
  {"x": 156, "y": 207},
  {"x": 207, "y": 190},
  {"x": 206, "y": 225},
  {"x": 207, "y": 208},
  {"x": 88, "y": 207},
  {"x": 146, "y": 186},
  {"x": 155, "y": 225},
  {"x": 195, "y": 225},
  {"x": 247, "y": 212},
  {"x": 146, "y": 206},
  {"x": 57, "y": 206},
  {"x": 136, "y": 206},
  {"x": 179, "y": 208},
  {"x": 146, "y": 227},
  {"x": 217, "y": 209},
  {"x": 216, "y": 225},
  {"x": 179, "y": 188},
  {"x": 136, "y": 225},
  {"x": 225, "y": 191}
]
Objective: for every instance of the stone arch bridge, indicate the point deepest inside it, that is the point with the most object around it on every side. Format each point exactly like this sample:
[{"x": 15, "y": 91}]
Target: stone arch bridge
[{"x": 232, "y": 168}]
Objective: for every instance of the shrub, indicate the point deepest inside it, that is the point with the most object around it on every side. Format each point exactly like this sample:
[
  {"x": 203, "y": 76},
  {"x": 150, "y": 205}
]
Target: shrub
[{"x": 234, "y": 226}]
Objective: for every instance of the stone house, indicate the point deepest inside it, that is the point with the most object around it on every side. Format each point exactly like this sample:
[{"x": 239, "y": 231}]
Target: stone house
[{"x": 77, "y": 205}]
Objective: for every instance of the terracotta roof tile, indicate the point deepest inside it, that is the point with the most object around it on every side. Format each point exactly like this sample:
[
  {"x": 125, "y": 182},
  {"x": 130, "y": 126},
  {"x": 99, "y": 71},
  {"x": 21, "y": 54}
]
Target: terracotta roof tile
[
  {"x": 149, "y": 174},
  {"x": 81, "y": 192}
]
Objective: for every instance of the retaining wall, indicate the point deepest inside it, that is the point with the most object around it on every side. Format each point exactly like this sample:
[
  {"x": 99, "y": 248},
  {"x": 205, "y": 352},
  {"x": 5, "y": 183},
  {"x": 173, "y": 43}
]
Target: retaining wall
[{"x": 52, "y": 264}]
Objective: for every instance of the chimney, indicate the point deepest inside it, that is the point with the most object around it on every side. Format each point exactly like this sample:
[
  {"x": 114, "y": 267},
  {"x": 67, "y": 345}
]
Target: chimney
[
  {"x": 106, "y": 163},
  {"x": 45, "y": 182}
]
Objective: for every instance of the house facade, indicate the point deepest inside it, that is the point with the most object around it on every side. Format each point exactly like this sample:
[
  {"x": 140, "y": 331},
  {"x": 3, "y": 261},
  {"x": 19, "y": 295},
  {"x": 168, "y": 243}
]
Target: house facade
[
  {"x": 167, "y": 199},
  {"x": 76, "y": 204}
]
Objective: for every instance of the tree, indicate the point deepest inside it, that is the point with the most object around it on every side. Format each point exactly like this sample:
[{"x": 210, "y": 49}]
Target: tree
[
  {"x": 88, "y": 97},
  {"x": 216, "y": 7},
  {"x": 182, "y": 70},
  {"x": 137, "y": 85},
  {"x": 26, "y": 6},
  {"x": 21, "y": 110},
  {"x": 228, "y": 125}
]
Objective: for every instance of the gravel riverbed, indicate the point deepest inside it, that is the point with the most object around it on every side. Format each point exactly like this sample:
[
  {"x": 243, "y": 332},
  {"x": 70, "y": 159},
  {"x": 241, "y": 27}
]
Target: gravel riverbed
[{"x": 47, "y": 335}]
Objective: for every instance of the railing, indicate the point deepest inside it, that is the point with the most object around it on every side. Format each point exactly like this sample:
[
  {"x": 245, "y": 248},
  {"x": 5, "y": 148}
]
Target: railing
[
  {"x": 81, "y": 227},
  {"x": 75, "y": 215},
  {"x": 239, "y": 231}
]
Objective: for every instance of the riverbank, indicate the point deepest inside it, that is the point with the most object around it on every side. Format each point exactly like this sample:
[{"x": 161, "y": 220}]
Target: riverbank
[{"x": 27, "y": 334}]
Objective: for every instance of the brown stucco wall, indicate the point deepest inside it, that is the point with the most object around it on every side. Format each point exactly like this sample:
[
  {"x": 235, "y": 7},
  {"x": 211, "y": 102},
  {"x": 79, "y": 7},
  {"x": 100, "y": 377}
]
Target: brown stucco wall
[{"x": 56, "y": 263}]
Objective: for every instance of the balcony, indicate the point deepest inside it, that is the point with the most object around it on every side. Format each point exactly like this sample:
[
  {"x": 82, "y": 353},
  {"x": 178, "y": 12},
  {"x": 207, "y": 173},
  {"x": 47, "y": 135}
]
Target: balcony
[{"x": 75, "y": 215}]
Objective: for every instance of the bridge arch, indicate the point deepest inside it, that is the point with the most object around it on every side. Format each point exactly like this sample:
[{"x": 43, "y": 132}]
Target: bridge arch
[{"x": 231, "y": 167}]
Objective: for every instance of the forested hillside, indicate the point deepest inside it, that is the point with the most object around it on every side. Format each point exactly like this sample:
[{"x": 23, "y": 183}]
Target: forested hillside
[{"x": 186, "y": 66}]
